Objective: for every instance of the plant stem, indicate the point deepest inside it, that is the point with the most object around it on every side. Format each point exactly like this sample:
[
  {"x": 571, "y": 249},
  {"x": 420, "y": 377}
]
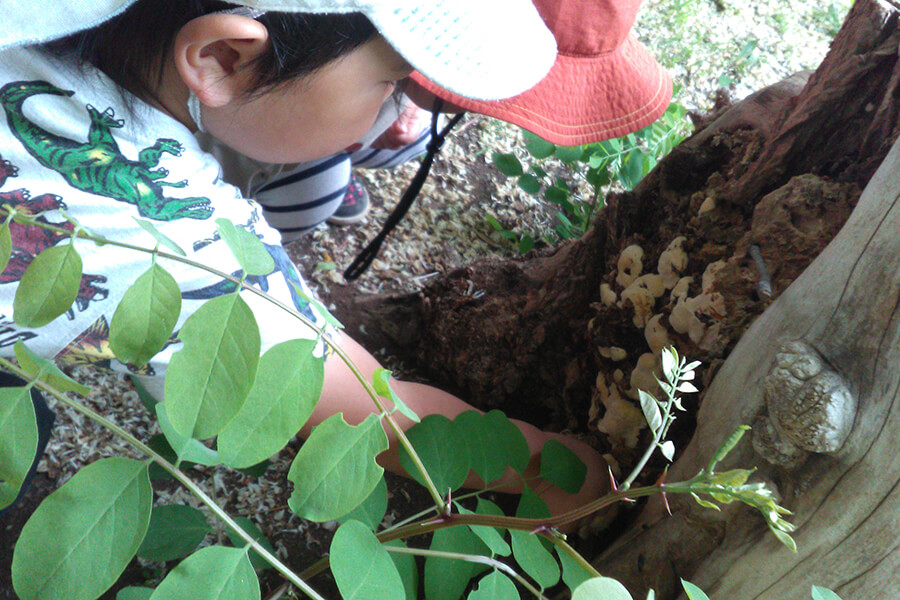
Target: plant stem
[
  {"x": 175, "y": 472},
  {"x": 401, "y": 435}
]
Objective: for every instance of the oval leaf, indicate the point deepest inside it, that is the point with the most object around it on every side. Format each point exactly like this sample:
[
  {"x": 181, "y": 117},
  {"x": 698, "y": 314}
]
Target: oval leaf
[
  {"x": 529, "y": 549},
  {"x": 601, "y": 587},
  {"x": 573, "y": 574},
  {"x": 361, "y": 566},
  {"x": 18, "y": 441},
  {"x": 145, "y": 317},
  {"x": 495, "y": 586},
  {"x": 433, "y": 440},
  {"x": 175, "y": 531},
  {"x": 161, "y": 238},
  {"x": 48, "y": 286},
  {"x": 507, "y": 164},
  {"x": 372, "y": 510},
  {"x": 692, "y": 591},
  {"x": 248, "y": 249},
  {"x": 447, "y": 578},
  {"x": 134, "y": 593},
  {"x": 651, "y": 411},
  {"x": 208, "y": 380},
  {"x": 562, "y": 467},
  {"x": 186, "y": 449},
  {"x": 820, "y": 593},
  {"x": 45, "y": 370},
  {"x": 335, "y": 469},
  {"x": 80, "y": 539},
  {"x": 381, "y": 385},
  {"x": 408, "y": 569},
  {"x": 287, "y": 387},
  {"x": 509, "y": 439},
  {"x": 213, "y": 573},
  {"x": 482, "y": 443},
  {"x": 491, "y": 536}
]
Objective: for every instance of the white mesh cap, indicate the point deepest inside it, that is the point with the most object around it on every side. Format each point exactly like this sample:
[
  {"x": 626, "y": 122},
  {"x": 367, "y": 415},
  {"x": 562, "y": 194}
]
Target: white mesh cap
[{"x": 482, "y": 49}]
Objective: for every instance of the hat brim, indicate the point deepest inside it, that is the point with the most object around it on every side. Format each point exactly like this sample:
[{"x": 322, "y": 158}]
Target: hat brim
[
  {"x": 583, "y": 99},
  {"x": 475, "y": 49}
]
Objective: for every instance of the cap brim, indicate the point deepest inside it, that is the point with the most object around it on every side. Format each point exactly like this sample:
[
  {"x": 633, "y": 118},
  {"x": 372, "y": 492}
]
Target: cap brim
[
  {"x": 583, "y": 99},
  {"x": 475, "y": 49}
]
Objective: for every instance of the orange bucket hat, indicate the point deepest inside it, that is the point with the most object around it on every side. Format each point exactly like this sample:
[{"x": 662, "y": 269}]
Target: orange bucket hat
[{"x": 604, "y": 83}]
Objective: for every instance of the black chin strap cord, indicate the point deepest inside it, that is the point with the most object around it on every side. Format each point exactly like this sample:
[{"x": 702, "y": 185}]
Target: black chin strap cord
[{"x": 368, "y": 254}]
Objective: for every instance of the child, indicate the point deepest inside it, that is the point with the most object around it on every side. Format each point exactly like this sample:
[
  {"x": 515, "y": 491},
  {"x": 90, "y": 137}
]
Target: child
[{"x": 100, "y": 124}]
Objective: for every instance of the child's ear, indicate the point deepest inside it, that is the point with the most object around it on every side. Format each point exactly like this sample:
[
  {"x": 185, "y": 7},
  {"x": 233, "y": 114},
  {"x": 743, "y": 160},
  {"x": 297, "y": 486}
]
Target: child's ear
[{"x": 211, "y": 51}]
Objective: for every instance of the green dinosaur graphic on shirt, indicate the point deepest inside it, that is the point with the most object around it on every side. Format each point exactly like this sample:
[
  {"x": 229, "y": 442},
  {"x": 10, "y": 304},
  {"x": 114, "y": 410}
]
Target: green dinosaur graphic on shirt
[{"x": 98, "y": 166}]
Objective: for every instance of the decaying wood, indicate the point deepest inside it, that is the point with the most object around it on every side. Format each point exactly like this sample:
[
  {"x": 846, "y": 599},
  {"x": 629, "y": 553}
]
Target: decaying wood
[{"x": 816, "y": 375}]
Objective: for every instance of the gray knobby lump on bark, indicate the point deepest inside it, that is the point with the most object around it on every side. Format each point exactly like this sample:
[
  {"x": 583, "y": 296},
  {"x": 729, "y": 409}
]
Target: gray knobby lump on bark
[{"x": 810, "y": 407}]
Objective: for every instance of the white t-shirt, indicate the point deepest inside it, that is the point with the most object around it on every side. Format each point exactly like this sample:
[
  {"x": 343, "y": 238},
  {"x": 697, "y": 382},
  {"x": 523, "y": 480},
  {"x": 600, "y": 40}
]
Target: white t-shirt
[{"x": 67, "y": 141}]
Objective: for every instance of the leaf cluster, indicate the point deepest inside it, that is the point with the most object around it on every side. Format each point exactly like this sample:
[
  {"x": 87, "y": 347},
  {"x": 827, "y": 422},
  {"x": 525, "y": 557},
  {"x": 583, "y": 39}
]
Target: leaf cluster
[{"x": 560, "y": 174}]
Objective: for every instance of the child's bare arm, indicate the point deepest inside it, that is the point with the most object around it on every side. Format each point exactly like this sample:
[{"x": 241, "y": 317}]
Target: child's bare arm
[{"x": 343, "y": 393}]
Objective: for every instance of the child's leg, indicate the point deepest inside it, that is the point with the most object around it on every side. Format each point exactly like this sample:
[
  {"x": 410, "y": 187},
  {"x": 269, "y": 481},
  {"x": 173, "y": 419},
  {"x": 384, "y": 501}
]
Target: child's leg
[{"x": 343, "y": 393}]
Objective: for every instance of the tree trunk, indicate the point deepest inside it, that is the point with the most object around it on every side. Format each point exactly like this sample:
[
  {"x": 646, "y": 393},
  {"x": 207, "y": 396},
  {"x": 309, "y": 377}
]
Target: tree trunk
[{"x": 569, "y": 332}]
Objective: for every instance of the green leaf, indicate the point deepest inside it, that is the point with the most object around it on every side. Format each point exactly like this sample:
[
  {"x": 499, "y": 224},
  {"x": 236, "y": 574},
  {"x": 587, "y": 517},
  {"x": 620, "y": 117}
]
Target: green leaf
[
  {"x": 481, "y": 442},
  {"x": 361, "y": 566},
  {"x": 287, "y": 387},
  {"x": 185, "y": 448},
  {"x": 573, "y": 574},
  {"x": 80, "y": 539},
  {"x": 208, "y": 380},
  {"x": 145, "y": 317},
  {"x": 380, "y": 382},
  {"x": 5, "y": 246},
  {"x": 820, "y": 593},
  {"x": 557, "y": 195},
  {"x": 534, "y": 558},
  {"x": 507, "y": 164},
  {"x": 509, "y": 440},
  {"x": 562, "y": 467},
  {"x": 161, "y": 238},
  {"x": 212, "y": 573},
  {"x": 526, "y": 243},
  {"x": 256, "y": 560},
  {"x": 18, "y": 440},
  {"x": 495, "y": 586},
  {"x": 632, "y": 170},
  {"x": 175, "y": 531},
  {"x": 407, "y": 568},
  {"x": 529, "y": 549},
  {"x": 569, "y": 154},
  {"x": 147, "y": 399},
  {"x": 41, "y": 369},
  {"x": 529, "y": 184},
  {"x": 601, "y": 587},
  {"x": 335, "y": 469},
  {"x": 651, "y": 411},
  {"x": 134, "y": 593},
  {"x": 785, "y": 539},
  {"x": 372, "y": 510},
  {"x": 248, "y": 249},
  {"x": 433, "y": 440},
  {"x": 668, "y": 450},
  {"x": 491, "y": 536},
  {"x": 48, "y": 286},
  {"x": 537, "y": 147},
  {"x": 446, "y": 578},
  {"x": 692, "y": 591}
]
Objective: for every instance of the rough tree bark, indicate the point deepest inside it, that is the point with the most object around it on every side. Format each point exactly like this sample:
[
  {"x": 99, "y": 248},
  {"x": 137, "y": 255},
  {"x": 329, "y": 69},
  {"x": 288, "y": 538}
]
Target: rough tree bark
[{"x": 781, "y": 171}]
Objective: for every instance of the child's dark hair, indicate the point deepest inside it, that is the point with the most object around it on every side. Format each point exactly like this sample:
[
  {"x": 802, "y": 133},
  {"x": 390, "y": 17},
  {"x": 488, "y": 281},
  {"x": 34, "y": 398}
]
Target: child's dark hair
[{"x": 132, "y": 47}]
